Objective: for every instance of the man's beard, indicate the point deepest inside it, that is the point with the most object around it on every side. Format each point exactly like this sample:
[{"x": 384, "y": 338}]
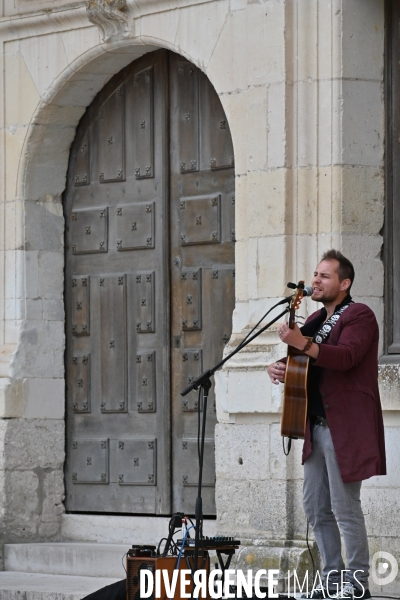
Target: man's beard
[{"x": 325, "y": 298}]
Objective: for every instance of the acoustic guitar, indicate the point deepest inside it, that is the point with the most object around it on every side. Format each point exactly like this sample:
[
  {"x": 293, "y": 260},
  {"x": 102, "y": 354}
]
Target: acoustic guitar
[{"x": 295, "y": 393}]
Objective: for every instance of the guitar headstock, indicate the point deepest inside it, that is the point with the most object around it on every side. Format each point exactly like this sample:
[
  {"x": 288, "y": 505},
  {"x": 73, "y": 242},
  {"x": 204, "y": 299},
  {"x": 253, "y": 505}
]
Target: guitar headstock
[{"x": 295, "y": 303}]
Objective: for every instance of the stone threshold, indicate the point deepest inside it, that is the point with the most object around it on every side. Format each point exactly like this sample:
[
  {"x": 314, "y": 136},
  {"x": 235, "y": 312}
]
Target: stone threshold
[{"x": 26, "y": 586}]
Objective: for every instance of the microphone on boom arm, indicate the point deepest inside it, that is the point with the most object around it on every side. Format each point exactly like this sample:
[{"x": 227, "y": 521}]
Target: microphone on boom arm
[{"x": 307, "y": 291}]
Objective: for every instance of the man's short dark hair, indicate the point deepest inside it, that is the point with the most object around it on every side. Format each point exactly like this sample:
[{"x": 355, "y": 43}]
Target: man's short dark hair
[{"x": 345, "y": 269}]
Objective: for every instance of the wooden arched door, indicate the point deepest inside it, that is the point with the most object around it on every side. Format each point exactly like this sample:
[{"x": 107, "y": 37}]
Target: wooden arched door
[{"x": 149, "y": 289}]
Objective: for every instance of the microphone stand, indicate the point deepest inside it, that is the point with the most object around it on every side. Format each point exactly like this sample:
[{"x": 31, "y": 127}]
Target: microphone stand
[{"x": 204, "y": 382}]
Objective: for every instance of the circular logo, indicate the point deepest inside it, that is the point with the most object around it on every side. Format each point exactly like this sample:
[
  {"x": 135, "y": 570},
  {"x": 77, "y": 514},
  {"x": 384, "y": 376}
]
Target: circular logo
[{"x": 384, "y": 568}]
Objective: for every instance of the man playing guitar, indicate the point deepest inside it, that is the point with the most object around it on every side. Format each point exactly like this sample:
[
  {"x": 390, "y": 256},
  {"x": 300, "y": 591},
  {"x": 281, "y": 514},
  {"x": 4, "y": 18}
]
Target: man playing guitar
[{"x": 344, "y": 440}]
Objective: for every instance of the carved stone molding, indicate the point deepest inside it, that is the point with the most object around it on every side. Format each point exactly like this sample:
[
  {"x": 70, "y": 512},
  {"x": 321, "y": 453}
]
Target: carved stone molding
[{"x": 108, "y": 15}]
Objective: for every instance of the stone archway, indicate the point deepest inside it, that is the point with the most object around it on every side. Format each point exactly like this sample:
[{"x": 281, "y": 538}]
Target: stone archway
[{"x": 37, "y": 388}]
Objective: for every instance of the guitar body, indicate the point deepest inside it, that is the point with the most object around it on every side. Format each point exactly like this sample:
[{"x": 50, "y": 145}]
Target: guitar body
[{"x": 295, "y": 394}]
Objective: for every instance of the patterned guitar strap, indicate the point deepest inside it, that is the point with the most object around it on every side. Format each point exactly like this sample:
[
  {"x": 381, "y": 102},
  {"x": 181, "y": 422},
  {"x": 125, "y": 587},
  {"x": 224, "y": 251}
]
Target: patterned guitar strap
[{"x": 324, "y": 332}]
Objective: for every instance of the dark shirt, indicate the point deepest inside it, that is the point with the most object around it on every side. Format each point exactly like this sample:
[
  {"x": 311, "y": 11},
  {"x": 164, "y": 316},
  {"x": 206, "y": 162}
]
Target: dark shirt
[{"x": 315, "y": 404}]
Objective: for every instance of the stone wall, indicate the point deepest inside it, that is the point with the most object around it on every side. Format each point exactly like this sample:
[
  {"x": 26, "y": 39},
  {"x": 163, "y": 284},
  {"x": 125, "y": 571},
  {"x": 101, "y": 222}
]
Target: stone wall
[{"x": 302, "y": 86}]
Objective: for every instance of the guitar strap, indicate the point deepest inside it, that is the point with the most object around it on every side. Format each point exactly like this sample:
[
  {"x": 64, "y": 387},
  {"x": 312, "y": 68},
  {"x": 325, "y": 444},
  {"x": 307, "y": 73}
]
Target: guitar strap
[{"x": 325, "y": 330}]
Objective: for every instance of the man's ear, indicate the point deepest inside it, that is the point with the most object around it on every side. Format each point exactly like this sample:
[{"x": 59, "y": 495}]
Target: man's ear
[{"x": 345, "y": 284}]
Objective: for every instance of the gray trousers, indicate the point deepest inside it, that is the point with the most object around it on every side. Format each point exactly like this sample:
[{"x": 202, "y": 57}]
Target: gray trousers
[{"x": 330, "y": 505}]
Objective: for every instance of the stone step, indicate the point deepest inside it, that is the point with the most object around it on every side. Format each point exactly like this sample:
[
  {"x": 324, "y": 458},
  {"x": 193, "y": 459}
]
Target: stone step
[
  {"x": 34, "y": 586},
  {"x": 76, "y": 559}
]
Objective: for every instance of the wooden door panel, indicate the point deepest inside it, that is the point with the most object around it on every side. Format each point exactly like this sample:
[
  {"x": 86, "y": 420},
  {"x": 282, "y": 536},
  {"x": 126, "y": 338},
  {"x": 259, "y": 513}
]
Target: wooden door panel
[
  {"x": 186, "y": 76},
  {"x": 135, "y": 227},
  {"x": 111, "y": 137},
  {"x": 216, "y": 140},
  {"x": 202, "y": 270},
  {"x": 117, "y": 353},
  {"x": 143, "y": 129},
  {"x": 82, "y": 165},
  {"x": 113, "y": 356},
  {"x": 80, "y": 305},
  {"x": 81, "y": 383}
]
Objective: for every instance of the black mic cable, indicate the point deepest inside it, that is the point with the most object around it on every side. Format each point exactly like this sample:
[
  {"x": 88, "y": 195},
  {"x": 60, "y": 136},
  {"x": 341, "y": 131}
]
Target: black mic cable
[{"x": 307, "y": 291}]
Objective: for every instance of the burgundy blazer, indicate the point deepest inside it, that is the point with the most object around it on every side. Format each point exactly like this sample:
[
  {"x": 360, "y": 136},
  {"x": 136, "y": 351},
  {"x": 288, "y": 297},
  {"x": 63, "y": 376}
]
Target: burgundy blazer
[{"x": 350, "y": 393}]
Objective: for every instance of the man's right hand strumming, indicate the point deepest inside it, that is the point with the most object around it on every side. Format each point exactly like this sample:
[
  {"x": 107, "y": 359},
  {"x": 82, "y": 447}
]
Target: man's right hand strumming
[{"x": 276, "y": 371}]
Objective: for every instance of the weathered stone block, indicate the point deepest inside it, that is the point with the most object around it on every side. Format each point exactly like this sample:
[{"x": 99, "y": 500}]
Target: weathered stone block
[
  {"x": 13, "y": 272},
  {"x": 14, "y": 309},
  {"x": 257, "y": 128},
  {"x": 329, "y": 33},
  {"x": 11, "y": 398},
  {"x": 363, "y": 24},
  {"x": 80, "y": 89},
  {"x": 235, "y": 107},
  {"x": 14, "y": 218},
  {"x": 267, "y": 214},
  {"x": 233, "y": 516},
  {"x": 380, "y": 507},
  {"x": 268, "y": 504},
  {"x": 251, "y": 509},
  {"x": 307, "y": 94},
  {"x": 40, "y": 353},
  {"x": 54, "y": 114},
  {"x": 389, "y": 386},
  {"x": 277, "y": 132},
  {"x": 253, "y": 268},
  {"x": 115, "y": 57},
  {"x": 53, "y": 496},
  {"x": 240, "y": 450},
  {"x": 249, "y": 391},
  {"x": 14, "y": 138},
  {"x": 195, "y": 20},
  {"x": 281, "y": 466},
  {"x": 307, "y": 200},
  {"x": 53, "y": 310},
  {"x": 277, "y": 554},
  {"x": 45, "y": 59},
  {"x": 31, "y": 444},
  {"x": 78, "y": 41},
  {"x": 32, "y": 275},
  {"x": 44, "y": 225},
  {"x": 22, "y": 504},
  {"x": 362, "y": 207},
  {"x": 307, "y": 40},
  {"x": 241, "y": 208},
  {"x": 266, "y": 42},
  {"x": 34, "y": 309},
  {"x": 43, "y": 398},
  {"x": 51, "y": 280},
  {"x": 229, "y": 52},
  {"x": 18, "y": 107},
  {"x": 363, "y": 111},
  {"x": 46, "y": 160},
  {"x": 269, "y": 266},
  {"x": 329, "y": 202},
  {"x": 365, "y": 253},
  {"x": 242, "y": 272},
  {"x": 327, "y": 126},
  {"x": 305, "y": 258},
  {"x": 298, "y": 521}
]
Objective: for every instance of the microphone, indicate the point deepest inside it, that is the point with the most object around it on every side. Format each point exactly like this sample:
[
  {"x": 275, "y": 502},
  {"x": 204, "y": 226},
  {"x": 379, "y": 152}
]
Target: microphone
[{"x": 307, "y": 289}]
